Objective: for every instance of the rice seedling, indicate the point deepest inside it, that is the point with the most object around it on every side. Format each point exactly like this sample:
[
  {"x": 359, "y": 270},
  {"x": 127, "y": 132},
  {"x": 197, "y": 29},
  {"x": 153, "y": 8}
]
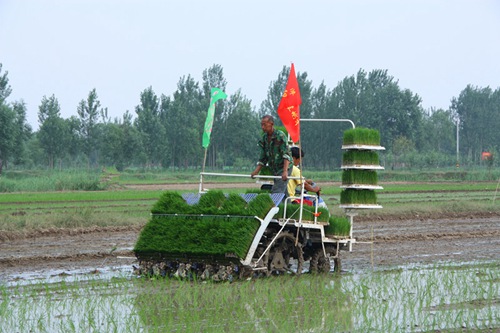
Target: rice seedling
[
  {"x": 361, "y": 136},
  {"x": 350, "y": 196},
  {"x": 360, "y": 157},
  {"x": 339, "y": 225},
  {"x": 205, "y": 228},
  {"x": 359, "y": 177},
  {"x": 440, "y": 297}
]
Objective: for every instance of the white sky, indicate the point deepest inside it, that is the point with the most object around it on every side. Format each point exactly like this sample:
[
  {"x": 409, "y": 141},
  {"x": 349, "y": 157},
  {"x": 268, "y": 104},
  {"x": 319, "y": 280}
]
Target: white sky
[{"x": 121, "y": 47}]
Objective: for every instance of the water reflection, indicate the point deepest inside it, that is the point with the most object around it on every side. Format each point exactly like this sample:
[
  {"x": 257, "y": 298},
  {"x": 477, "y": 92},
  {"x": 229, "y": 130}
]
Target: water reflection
[
  {"x": 413, "y": 298},
  {"x": 283, "y": 304}
]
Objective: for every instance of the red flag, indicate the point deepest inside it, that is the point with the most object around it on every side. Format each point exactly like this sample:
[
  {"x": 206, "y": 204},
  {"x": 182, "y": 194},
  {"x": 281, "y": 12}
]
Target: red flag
[{"x": 289, "y": 107}]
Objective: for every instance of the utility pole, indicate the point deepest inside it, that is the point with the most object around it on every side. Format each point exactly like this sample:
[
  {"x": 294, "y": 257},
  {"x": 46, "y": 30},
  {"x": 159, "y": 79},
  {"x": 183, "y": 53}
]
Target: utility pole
[{"x": 458, "y": 144}]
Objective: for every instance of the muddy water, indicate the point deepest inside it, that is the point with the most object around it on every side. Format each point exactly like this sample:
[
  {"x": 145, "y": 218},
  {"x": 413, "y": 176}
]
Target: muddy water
[
  {"x": 401, "y": 301},
  {"x": 393, "y": 243},
  {"x": 382, "y": 244}
]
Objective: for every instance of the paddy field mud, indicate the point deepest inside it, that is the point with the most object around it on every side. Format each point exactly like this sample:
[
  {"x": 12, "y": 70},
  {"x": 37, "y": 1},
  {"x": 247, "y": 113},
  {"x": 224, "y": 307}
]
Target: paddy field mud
[{"x": 383, "y": 243}]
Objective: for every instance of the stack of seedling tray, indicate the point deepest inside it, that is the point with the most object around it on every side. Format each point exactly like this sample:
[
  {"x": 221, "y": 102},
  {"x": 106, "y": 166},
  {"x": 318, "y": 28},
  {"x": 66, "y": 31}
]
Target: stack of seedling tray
[{"x": 360, "y": 163}]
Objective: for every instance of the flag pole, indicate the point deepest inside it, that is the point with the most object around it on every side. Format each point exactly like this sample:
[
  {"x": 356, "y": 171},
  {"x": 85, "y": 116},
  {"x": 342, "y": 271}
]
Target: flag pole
[
  {"x": 301, "y": 192},
  {"x": 202, "y": 171},
  {"x": 215, "y": 95}
]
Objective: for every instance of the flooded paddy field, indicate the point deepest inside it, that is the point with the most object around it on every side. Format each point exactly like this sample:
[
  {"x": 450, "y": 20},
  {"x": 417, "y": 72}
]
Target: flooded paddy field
[{"x": 418, "y": 274}]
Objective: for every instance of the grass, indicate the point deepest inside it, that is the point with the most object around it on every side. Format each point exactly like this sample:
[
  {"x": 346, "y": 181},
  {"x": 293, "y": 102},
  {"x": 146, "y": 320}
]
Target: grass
[
  {"x": 40, "y": 210},
  {"x": 51, "y": 181},
  {"x": 442, "y": 297},
  {"x": 84, "y": 180}
]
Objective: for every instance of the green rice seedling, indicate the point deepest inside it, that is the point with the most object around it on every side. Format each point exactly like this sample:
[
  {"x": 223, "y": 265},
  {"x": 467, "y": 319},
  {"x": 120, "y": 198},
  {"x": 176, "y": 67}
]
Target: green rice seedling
[
  {"x": 260, "y": 205},
  {"x": 445, "y": 297},
  {"x": 174, "y": 236},
  {"x": 359, "y": 177},
  {"x": 210, "y": 202},
  {"x": 360, "y": 157},
  {"x": 234, "y": 205},
  {"x": 292, "y": 211},
  {"x": 202, "y": 230},
  {"x": 170, "y": 203},
  {"x": 361, "y": 136},
  {"x": 339, "y": 226},
  {"x": 351, "y": 196}
]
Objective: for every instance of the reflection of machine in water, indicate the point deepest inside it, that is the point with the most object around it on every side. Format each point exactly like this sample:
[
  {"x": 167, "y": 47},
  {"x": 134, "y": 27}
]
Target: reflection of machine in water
[{"x": 309, "y": 304}]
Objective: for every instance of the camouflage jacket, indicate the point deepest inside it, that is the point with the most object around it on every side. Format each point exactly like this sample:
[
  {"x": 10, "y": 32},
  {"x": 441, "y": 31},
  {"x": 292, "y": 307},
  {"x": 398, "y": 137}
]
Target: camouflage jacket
[{"x": 273, "y": 153}]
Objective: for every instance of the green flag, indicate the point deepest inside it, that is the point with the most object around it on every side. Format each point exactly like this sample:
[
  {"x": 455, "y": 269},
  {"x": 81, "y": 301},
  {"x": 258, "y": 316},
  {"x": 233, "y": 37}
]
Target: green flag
[{"x": 215, "y": 95}]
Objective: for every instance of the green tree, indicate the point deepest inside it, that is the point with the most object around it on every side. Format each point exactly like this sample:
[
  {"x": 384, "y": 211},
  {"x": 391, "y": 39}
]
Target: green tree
[
  {"x": 438, "y": 132},
  {"x": 7, "y": 134},
  {"x": 184, "y": 128},
  {"x": 402, "y": 146},
  {"x": 6, "y": 120},
  {"x": 5, "y": 89},
  {"x": 274, "y": 93},
  {"x": 151, "y": 128},
  {"x": 131, "y": 144},
  {"x": 89, "y": 112},
  {"x": 75, "y": 141},
  {"x": 322, "y": 140},
  {"x": 121, "y": 144},
  {"x": 375, "y": 100},
  {"x": 14, "y": 131},
  {"x": 478, "y": 111},
  {"x": 214, "y": 78},
  {"x": 22, "y": 132},
  {"x": 53, "y": 132},
  {"x": 241, "y": 131}
]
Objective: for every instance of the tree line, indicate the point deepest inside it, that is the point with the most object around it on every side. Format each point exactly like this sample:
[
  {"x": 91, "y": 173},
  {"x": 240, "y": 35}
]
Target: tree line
[{"x": 166, "y": 130}]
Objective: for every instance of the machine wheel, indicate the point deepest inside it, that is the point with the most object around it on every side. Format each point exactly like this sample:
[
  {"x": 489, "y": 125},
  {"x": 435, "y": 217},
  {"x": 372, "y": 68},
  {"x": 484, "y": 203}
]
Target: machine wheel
[
  {"x": 282, "y": 252},
  {"x": 319, "y": 263},
  {"x": 337, "y": 266}
]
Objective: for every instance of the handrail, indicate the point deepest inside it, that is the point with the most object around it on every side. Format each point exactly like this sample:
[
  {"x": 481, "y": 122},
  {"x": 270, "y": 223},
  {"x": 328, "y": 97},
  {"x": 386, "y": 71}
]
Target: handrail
[
  {"x": 346, "y": 120},
  {"x": 240, "y": 175}
]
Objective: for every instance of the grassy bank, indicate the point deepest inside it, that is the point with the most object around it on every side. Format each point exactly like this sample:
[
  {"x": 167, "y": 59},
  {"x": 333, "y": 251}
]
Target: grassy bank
[
  {"x": 106, "y": 179},
  {"x": 25, "y": 211}
]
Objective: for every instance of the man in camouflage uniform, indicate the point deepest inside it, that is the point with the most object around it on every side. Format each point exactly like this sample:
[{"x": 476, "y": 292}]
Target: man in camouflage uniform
[{"x": 275, "y": 153}]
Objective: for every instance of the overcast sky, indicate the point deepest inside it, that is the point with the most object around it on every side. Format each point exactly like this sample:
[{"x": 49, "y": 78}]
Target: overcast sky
[{"x": 121, "y": 47}]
